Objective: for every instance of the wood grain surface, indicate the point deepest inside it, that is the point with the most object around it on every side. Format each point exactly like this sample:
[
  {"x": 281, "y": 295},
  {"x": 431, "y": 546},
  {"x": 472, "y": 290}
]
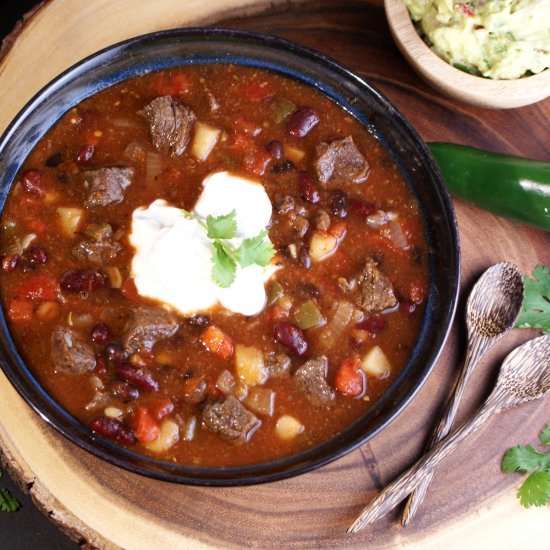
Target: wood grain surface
[{"x": 471, "y": 504}]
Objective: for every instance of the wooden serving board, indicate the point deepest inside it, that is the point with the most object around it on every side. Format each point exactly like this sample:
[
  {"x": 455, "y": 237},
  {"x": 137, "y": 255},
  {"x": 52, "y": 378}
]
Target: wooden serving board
[{"x": 471, "y": 504}]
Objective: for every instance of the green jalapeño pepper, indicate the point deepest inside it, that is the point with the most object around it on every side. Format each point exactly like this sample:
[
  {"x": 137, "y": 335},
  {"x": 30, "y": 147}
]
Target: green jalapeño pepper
[{"x": 512, "y": 187}]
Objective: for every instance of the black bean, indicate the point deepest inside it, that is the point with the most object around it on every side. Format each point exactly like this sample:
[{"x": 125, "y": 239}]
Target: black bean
[
  {"x": 283, "y": 167},
  {"x": 113, "y": 429},
  {"x": 200, "y": 320},
  {"x": 53, "y": 161},
  {"x": 125, "y": 391},
  {"x": 292, "y": 337},
  {"x": 338, "y": 203},
  {"x": 308, "y": 289},
  {"x": 275, "y": 149},
  {"x": 303, "y": 257},
  {"x": 302, "y": 121},
  {"x": 115, "y": 352}
]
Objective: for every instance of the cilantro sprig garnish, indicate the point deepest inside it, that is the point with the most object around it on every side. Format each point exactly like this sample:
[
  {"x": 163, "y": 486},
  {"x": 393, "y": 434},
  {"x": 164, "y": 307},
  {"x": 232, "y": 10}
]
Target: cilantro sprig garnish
[
  {"x": 8, "y": 503},
  {"x": 535, "y": 490},
  {"x": 226, "y": 257},
  {"x": 535, "y": 312}
]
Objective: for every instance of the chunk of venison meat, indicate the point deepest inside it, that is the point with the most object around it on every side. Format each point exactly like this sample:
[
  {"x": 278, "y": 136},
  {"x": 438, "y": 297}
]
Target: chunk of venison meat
[
  {"x": 107, "y": 185},
  {"x": 96, "y": 253},
  {"x": 70, "y": 353},
  {"x": 375, "y": 289},
  {"x": 147, "y": 325},
  {"x": 311, "y": 379},
  {"x": 340, "y": 161},
  {"x": 170, "y": 123},
  {"x": 230, "y": 419}
]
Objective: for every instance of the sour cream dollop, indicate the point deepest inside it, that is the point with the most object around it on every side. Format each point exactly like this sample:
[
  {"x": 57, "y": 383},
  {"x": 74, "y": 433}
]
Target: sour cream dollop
[{"x": 173, "y": 256}]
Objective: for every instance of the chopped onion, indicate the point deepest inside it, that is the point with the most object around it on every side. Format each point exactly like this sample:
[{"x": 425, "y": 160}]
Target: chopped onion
[
  {"x": 378, "y": 219},
  {"x": 395, "y": 233},
  {"x": 336, "y": 326},
  {"x": 261, "y": 400},
  {"x": 124, "y": 122},
  {"x": 153, "y": 166}
]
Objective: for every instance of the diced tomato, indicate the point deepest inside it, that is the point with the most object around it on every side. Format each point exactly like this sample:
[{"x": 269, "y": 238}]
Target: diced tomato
[
  {"x": 161, "y": 408},
  {"x": 20, "y": 310},
  {"x": 242, "y": 144},
  {"x": 38, "y": 286},
  {"x": 257, "y": 91},
  {"x": 465, "y": 8},
  {"x": 36, "y": 225},
  {"x": 338, "y": 229},
  {"x": 174, "y": 83},
  {"x": 218, "y": 342},
  {"x": 247, "y": 127},
  {"x": 129, "y": 290},
  {"x": 146, "y": 427},
  {"x": 350, "y": 379},
  {"x": 257, "y": 162}
]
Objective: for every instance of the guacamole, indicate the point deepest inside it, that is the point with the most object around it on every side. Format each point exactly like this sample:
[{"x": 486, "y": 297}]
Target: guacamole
[{"x": 501, "y": 39}]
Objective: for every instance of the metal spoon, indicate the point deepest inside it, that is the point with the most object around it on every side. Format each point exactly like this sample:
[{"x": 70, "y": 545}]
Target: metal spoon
[
  {"x": 492, "y": 310},
  {"x": 524, "y": 376}
]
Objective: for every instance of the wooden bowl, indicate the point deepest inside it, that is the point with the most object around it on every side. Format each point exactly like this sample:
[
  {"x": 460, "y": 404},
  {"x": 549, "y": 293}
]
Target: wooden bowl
[{"x": 483, "y": 92}]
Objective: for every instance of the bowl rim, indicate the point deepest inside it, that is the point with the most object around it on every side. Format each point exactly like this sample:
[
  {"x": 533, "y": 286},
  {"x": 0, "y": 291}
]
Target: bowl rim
[
  {"x": 477, "y": 90},
  {"x": 30, "y": 389}
]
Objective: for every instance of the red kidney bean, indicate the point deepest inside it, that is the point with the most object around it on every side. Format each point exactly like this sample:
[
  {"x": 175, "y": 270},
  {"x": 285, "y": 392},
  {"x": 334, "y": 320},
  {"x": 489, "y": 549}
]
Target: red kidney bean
[
  {"x": 338, "y": 203},
  {"x": 124, "y": 390},
  {"x": 85, "y": 153},
  {"x": 113, "y": 429},
  {"x": 361, "y": 207},
  {"x": 373, "y": 325},
  {"x": 406, "y": 307},
  {"x": 302, "y": 121},
  {"x": 308, "y": 188},
  {"x": 9, "y": 262},
  {"x": 115, "y": 352},
  {"x": 82, "y": 280},
  {"x": 100, "y": 366},
  {"x": 292, "y": 337},
  {"x": 100, "y": 333},
  {"x": 32, "y": 182},
  {"x": 37, "y": 255},
  {"x": 275, "y": 149},
  {"x": 141, "y": 377}
]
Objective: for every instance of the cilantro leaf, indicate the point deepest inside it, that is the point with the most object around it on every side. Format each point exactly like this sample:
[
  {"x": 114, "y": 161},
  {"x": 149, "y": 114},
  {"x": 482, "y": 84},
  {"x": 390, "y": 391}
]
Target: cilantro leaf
[
  {"x": 535, "y": 311},
  {"x": 222, "y": 227},
  {"x": 255, "y": 250},
  {"x": 524, "y": 458},
  {"x": 224, "y": 266},
  {"x": 544, "y": 436},
  {"x": 535, "y": 490},
  {"x": 8, "y": 503}
]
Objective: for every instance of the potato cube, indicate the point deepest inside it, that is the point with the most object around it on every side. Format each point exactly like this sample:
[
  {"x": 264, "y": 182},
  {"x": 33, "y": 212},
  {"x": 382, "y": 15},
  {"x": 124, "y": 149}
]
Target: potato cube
[
  {"x": 249, "y": 365},
  {"x": 204, "y": 140},
  {"x": 375, "y": 363},
  {"x": 322, "y": 246},
  {"x": 69, "y": 219}
]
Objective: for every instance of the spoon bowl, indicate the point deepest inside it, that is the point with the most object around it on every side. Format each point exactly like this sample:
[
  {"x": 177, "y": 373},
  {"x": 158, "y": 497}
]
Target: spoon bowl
[
  {"x": 492, "y": 310},
  {"x": 524, "y": 377}
]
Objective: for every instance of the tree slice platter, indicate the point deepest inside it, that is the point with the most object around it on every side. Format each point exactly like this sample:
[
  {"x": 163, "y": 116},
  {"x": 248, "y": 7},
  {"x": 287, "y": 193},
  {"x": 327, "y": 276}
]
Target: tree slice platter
[{"x": 470, "y": 503}]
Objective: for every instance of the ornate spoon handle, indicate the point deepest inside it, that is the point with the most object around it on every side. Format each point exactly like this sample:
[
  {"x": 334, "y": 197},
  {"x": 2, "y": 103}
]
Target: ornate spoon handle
[
  {"x": 476, "y": 348},
  {"x": 394, "y": 493}
]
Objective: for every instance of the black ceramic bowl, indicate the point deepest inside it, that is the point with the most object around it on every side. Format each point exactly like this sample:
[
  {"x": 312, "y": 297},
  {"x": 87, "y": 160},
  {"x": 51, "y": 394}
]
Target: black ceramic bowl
[{"x": 373, "y": 110}]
